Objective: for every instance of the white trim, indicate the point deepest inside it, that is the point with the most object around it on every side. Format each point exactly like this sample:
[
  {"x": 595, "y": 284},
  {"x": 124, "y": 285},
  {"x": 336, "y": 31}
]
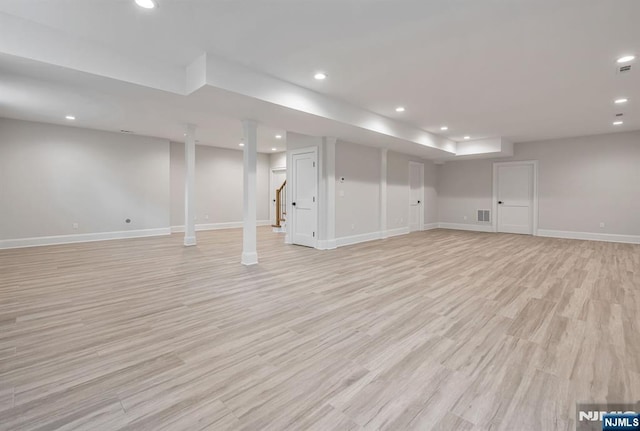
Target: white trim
[
  {"x": 494, "y": 209},
  {"x": 249, "y": 258},
  {"x": 83, "y": 237},
  {"x": 218, "y": 226},
  {"x": 430, "y": 226},
  {"x": 397, "y": 231},
  {"x": 590, "y": 236},
  {"x": 371, "y": 236},
  {"x": 355, "y": 239},
  {"x": 327, "y": 244},
  {"x": 462, "y": 226}
]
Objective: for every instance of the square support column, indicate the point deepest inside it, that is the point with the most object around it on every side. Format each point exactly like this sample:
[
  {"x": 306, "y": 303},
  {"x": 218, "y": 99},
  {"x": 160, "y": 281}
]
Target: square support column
[
  {"x": 189, "y": 186},
  {"x": 249, "y": 198}
]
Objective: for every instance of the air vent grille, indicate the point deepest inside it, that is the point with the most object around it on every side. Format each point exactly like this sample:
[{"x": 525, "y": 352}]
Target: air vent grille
[
  {"x": 484, "y": 216},
  {"x": 624, "y": 69}
]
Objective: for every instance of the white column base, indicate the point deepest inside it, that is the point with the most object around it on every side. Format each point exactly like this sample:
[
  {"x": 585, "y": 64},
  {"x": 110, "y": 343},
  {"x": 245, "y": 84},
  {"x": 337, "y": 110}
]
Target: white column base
[
  {"x": 189, "y": 241},
  {"x": 249, "y": 258}
]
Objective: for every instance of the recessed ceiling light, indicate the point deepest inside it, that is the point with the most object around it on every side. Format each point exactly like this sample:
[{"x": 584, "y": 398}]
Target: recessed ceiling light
[
  {"x": 147, "y": 4},
  {"x": 241, "y": 144},
  {"x": 623, "y": 100},
  {"x": 274, "y": 149},
  {"x": 617, "y": 123},
  {"x": 400, "y": 109},
  {"x": 70, "y": 117},
  {"x": 626, "y": 58},
  {"x": 467, "y": 137},
  {"x": 320, "y": 76},
  {"x": 278, "y": 136},
  {"x": 444, "y": 128}
]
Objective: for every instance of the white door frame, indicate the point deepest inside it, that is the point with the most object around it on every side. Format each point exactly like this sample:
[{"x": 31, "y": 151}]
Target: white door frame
[
  {"x": 494, "y": 211},
  {"x": 421, "y": 194},
  {"x": 291, "y": 226},
  {"x": 272, "y": 207}
]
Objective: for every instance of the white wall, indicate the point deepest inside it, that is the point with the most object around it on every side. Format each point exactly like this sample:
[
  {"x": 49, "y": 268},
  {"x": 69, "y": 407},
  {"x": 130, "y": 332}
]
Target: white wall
[
  {"x": 218, "y": 185},
  {"x": 54, "y": 176},
  {"x": 278, "y": 160},
  {"x": 582, "y": 182}
]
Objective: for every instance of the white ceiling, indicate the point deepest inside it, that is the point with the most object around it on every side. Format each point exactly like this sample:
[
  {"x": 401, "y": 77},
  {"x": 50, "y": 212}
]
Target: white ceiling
[
  {"x": 524, "y": 70},
  {"x": 39, "y": 92}
]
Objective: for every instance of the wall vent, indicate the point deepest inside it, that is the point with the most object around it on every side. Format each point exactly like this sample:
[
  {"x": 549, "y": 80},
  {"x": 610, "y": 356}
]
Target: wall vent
[
  {"x": 484, "y": 216},
  {"x": 624, "y": 69}
]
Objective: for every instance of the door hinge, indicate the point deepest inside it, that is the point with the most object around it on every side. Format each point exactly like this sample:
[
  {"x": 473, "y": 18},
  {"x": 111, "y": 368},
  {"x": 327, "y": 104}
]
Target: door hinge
[
  {"x": 314, "y": 234},
  {"x": 314, "y": 164},
  {"x": 314, "y": 198}
]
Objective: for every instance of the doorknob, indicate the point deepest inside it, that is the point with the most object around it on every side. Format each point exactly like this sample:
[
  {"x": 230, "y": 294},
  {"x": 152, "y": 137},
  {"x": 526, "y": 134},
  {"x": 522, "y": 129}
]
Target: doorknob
[
  {"x": 293, "y": 203},
  {"x": 500, "y": 202},
  {"x": 418, "y": 201}
]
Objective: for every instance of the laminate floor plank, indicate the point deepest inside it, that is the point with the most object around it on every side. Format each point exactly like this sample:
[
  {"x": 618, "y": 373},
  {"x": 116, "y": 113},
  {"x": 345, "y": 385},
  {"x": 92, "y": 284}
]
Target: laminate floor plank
[{"x": 438, "y": 330}]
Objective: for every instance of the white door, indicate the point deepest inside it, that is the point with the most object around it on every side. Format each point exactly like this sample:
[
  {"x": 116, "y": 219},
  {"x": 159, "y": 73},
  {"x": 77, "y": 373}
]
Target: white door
[
  {"x": 515, "y": 198},
  {"x": 277, "y": 178},
  {"x": 304, "y": 190},
  {"x": 416, "y": 196}
]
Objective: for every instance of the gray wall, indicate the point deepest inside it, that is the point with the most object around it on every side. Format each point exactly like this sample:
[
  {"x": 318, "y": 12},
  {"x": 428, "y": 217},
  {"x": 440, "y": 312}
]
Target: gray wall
[
  {"x": 218, "y": 185},
  {"x": 581, "y": 182},
  {"x": 358, "y": 211},
  {"x": 398, "y": 190},
  {"x": 54, "y": 176}
]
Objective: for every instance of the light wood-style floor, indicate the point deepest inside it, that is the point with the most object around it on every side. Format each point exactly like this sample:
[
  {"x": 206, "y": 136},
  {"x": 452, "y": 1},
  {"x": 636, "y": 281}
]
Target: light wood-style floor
[{"x": 442, "y": 330}]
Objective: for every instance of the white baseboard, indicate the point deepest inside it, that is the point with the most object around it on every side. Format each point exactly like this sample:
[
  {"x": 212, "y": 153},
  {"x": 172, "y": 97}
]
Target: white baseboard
[
  {"x": 463, "y": 226},
  {"x": 590, "y": 236},
  {"x": 83, "y": 237},
  {"x": 324, "y": 244},
  {"x": 217, "y": 226},
  {"x": 397, "y": 231},
  {"x": 355, "y": 239},
  {"x": 430, "y": 226},
  {"x": 371, "y": 236}
]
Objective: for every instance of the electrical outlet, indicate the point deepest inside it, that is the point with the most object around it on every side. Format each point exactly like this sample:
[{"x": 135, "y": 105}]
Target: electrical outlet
[
  {"x": 206, "y": 216},
  {"x": 464, "y": 218},
  {"x": 401, "y": 220},
  {"x": 75, "y": 225},
  {"x": 341, "y": 193},
  {"x": 353, "y": 226},
  {"x": 601, "y": 224}
]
